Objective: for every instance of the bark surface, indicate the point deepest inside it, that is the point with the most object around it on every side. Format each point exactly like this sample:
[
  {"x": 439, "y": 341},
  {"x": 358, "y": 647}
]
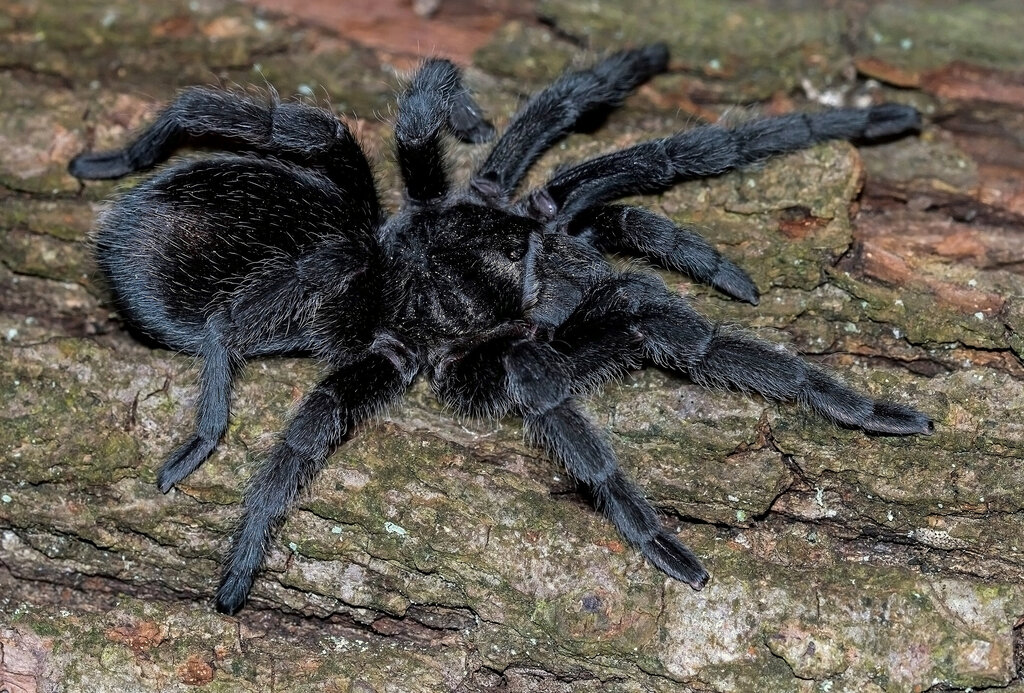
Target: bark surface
[{"x": 441, "y": 554}]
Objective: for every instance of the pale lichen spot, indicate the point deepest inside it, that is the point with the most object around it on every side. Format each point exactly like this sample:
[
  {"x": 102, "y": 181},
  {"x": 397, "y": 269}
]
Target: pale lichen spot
[{"x": 392, "y": 528}]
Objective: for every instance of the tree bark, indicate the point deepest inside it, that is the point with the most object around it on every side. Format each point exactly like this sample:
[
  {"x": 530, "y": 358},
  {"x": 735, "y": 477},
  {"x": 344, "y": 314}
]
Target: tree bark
[{"x": 444, "y": 554}]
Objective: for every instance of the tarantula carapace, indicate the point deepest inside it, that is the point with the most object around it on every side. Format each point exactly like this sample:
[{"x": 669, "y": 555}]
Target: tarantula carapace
[{"x": 505, "y": 303}]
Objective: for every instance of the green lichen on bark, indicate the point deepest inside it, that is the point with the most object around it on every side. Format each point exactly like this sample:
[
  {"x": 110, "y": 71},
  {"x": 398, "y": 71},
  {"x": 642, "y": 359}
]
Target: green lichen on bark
[
  {"x": 748, "y": 49},
  {"x": 928, "y": 35}
]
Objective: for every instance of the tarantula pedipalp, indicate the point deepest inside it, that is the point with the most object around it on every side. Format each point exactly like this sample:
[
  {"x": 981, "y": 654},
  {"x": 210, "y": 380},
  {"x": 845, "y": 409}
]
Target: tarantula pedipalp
[{"x": 506, "y": 304}]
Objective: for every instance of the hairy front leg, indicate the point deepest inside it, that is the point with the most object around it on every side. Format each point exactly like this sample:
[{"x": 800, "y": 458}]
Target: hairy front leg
[
  {"x": 637, "y": 231},
  {"x": 555, "y": 111},
  {"x": 710, "y": 150}
]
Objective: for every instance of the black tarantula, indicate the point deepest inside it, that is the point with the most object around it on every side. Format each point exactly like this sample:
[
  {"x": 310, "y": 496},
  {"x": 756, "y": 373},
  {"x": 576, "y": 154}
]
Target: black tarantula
[{"x": 505, "y": 303}]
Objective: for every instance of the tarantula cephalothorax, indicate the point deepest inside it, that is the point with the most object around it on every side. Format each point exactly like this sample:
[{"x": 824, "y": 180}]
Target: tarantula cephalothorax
[{"x": 505, "y": 303}]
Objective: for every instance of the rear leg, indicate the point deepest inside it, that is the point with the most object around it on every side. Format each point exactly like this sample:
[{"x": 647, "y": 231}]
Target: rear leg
[
  {"x": 343, "y": 398},
  {"x": 294, "y": 132},
  {"x": 212, "y": 412},
  {"x": 569, "y": 437}
]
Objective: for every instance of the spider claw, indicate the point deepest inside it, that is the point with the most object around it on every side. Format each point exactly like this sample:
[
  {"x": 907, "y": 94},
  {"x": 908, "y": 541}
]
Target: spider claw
[
  {"x": 897, "y": 419},
  {"x": 731, "y": 280},
  {"x": 183, "y": 461},
  {"x": 100, "y": 165},
  {"x": 233, "y": 593},
  {"x": 674, "y": 559},
  {"x": 890, "y": 119},
  {"x": 653, "y": 57},
  {"x": 467, "y": 122}
]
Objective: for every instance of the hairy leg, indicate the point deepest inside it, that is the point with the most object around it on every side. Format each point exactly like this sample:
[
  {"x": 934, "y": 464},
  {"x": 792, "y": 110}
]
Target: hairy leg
[
  {"x": 435, "y": 101},
  {"x": 552, "y": 113},
  {"x": 530, "y": 377},
  {"x": 568, "y": 436},
  {"x": 633, "y": 317},
  {"x": 212, "y": 410},
  {"x": 656, "y": 165},
  {"x": 201, "y": 116},
  {"x": 269, "y": 313},
  {"x": 636, "y": 231},
  {"x": 348, "y": 395}
]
